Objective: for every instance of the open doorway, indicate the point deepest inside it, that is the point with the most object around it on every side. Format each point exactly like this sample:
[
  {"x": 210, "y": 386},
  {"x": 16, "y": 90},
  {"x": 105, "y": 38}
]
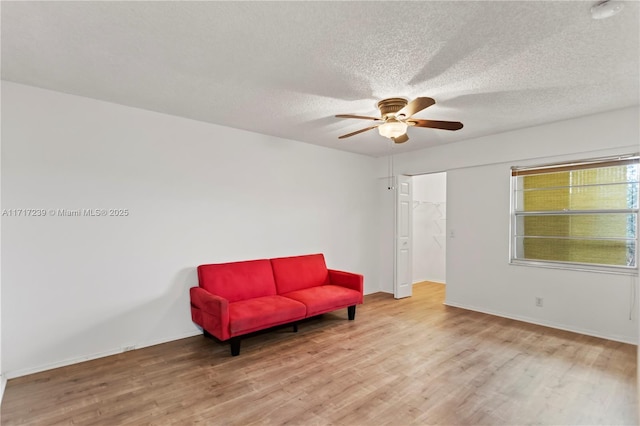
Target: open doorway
[{"x": 429, "y": 227}]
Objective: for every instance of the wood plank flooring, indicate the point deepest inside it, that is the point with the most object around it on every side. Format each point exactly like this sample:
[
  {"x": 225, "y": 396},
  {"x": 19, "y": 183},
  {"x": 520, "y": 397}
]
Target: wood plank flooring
[{"x": 401, "y": 362}]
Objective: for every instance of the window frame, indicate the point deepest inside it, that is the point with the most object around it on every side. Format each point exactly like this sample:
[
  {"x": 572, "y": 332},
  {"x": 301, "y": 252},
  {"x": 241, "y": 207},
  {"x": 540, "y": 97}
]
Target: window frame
[{"x": 514, "y": 215}]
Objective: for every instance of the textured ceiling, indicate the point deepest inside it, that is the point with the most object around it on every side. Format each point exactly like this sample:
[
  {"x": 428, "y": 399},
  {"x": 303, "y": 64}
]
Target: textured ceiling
[{"x": 286, "y": 68}]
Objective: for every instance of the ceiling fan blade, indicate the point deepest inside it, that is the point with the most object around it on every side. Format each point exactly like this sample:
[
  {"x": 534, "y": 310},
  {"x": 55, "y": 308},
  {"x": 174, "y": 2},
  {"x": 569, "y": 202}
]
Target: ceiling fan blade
[
  {"x": 362, "y": 117},
  {"x": 435, "y": 124},
  {"x": 356, "y": 132},
  {"x": 401, "y": 138},
  {"x": 416, "y": 105}
]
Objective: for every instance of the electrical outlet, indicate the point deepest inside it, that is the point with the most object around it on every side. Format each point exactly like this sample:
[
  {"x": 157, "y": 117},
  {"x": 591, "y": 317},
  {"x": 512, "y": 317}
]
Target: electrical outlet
[
  {"x": 128, "y": 348},
  {"x": 539, "y": 302}
]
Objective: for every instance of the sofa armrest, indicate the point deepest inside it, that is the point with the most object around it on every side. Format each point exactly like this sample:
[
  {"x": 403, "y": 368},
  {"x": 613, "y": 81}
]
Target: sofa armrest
[
  {"x": 347, "y": 279},
  {"x": 215, "y": 312}
]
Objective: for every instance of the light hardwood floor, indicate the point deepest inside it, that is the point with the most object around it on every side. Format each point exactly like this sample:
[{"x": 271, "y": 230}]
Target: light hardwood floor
[{"x": 410, "y": 361}]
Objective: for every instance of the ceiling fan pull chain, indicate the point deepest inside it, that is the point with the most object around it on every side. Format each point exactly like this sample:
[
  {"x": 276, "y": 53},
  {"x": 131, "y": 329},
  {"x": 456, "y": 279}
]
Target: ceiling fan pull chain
[{"x": 390, "y": 181}]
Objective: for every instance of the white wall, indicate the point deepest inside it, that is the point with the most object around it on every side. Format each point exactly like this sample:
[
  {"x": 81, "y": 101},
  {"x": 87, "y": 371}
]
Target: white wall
[
  {"x": 3, "y": 379},
  {"x": 76, "y": 288},
  {"x": 385, "y": 228},
  {"x": 478, "y": 274},
  {"x": 429, "y": 227}
]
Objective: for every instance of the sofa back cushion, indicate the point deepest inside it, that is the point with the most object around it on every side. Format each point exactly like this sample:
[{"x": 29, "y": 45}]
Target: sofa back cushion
[
  {"x": 238, "y": 280},
  {"x": 298, "y": 272}
]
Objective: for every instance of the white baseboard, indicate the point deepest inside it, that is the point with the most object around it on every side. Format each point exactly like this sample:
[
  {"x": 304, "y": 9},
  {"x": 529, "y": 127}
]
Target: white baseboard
[
  {"x": 563, "y": 327},
  {"x": 76, "y": 360},
  {"x": 3, "y": 384},
  {"x": 196, "y": 332}
]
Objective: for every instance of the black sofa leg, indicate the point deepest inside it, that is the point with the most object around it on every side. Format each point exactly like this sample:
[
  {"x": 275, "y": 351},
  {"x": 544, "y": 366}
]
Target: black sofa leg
[
  {"x": 235, "y": 346},
  {"x": 206, "y": 333},
  {"x": 295, "y": 327},
  {"x": 351, "y": 310}
]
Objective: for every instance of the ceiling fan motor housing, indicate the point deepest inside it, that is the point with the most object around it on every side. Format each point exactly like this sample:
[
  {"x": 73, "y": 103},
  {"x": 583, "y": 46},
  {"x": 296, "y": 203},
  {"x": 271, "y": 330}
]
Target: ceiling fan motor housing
[{"x": 390, "y": 106}]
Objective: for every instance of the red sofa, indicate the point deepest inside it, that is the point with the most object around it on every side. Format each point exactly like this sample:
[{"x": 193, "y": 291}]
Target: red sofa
[{"x": 237, "y": 298}]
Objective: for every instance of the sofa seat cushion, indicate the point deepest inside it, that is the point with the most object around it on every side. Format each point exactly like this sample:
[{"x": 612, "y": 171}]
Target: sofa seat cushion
[
  {"x": 325, "y": 298},
  {"x": 250, "y": 315}
]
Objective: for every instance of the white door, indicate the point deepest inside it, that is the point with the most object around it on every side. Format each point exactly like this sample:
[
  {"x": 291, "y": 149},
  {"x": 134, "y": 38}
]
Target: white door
[{"x": 403, "y": 276}]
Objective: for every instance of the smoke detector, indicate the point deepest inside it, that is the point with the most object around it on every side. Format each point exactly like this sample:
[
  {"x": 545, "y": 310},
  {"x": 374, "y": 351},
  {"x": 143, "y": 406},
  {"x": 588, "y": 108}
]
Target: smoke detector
[{"x": 606, "y": 9}]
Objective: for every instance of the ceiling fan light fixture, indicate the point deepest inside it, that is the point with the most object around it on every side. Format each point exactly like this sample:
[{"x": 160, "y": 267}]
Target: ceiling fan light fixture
[{"x": 392, "y": 128}]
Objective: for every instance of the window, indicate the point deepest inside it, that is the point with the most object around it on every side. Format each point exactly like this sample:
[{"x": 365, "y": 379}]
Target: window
[{"x": 581, "y": 215}]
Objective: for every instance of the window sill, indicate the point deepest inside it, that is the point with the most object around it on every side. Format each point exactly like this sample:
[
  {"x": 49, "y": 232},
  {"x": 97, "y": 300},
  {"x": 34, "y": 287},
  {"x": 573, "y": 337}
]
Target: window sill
[{"x": 601, "y": 269}]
